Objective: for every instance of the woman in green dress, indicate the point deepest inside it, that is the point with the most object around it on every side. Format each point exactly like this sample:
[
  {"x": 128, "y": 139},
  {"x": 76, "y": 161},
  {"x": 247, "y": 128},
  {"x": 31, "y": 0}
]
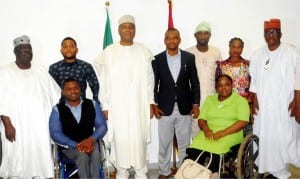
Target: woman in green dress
[{"x": 222, "y": 119}]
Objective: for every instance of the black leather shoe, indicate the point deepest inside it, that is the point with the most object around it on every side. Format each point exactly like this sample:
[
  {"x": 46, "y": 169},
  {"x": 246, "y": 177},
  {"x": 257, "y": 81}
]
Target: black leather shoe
[{"x": 163, "y": 177}]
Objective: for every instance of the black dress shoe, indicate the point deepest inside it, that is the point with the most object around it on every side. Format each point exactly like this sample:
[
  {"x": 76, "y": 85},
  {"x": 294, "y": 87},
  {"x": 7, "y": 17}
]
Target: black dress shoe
[
  {"x": 163, "y": 177},
  {"x": 270, "y": 176}
]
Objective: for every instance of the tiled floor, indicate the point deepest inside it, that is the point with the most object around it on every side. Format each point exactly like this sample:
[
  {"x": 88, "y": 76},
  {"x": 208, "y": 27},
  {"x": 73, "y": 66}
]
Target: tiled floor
[
  {"x": 295, "y": 172},
  {"x": 153, "y": 173}
]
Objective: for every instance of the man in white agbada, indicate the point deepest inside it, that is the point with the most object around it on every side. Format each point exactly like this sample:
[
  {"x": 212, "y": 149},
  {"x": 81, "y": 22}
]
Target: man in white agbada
[
  {"x": 206, "y": 57},
  {"x": 126, "y": 96},
  {"x": 272, "y": 70},
  {"x": 27, "y": 93}
]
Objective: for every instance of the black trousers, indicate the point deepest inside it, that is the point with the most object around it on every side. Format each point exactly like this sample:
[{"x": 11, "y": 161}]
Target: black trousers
[{"x": 205, "y": 157}]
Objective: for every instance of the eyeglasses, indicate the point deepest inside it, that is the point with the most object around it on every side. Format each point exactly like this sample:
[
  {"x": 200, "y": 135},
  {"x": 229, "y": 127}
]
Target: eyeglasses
[{"x": 272, "y": 31}]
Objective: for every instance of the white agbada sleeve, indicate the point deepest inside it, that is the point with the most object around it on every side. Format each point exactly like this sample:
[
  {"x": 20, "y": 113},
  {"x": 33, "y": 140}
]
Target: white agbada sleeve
[
  {"x": 100, "y": 66},
  {"x": 150, "y": 92},
  {"x": 252, "y": 71},
  {"x": 219, "y": 56},
  {"x": 3, "y": 92},
  {"x": 297, "y": 79},
  {"x": 50, "y": 87},
  {"x": 54, "y": 91},
  {"x": 3, "y": 110},
  {"x": 150, "y": 85}
]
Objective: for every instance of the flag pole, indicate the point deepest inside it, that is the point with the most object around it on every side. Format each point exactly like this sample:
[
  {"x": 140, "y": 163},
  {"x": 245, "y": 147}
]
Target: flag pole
[
  {"x": 107, "y": 39},
  {"x": 170, "y": 20}
]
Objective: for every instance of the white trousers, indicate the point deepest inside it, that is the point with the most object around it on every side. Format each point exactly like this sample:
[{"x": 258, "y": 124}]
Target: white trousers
[{"x": 167, "y": 125}]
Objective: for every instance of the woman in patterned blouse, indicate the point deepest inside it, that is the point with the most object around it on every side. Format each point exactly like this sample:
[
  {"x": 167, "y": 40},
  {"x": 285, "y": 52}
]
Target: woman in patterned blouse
[{"x": 236, "y": 67}]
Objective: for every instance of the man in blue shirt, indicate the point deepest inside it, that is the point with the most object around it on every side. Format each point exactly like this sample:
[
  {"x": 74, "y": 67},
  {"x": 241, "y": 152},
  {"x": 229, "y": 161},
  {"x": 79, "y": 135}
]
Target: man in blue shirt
[
  {"x": 70, "y": 66},
  {"x": 76, "y": 124}
]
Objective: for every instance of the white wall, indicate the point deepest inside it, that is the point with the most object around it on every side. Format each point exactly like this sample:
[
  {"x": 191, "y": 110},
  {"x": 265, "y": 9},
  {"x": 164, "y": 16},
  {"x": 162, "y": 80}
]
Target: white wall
[{"x": 48, "y": 22}]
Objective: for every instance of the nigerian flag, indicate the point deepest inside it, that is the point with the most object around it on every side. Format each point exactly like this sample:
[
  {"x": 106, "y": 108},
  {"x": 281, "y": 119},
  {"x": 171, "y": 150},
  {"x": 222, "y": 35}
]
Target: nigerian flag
[{"x": 107, "y": 39}]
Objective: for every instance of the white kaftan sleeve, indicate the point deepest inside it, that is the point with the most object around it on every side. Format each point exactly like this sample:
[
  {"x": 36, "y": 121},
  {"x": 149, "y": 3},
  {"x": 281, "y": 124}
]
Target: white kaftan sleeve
[
  {"x": 297, "y": 78},
  {"x": 3, "y": 104},
  {"x": 55, "y": 91},
  {"x": 219, "y": 57},
  {"x": 150, "y": 85},
  {"x": 252, "y": 71},
  {"x": 101, "y": 71},
  {"x": 5, "y": 80}
]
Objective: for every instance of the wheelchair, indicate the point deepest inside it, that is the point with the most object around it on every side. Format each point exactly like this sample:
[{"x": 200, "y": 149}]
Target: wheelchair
[
  {"x": 243, "y": 167},
  {"x": 239, "y": 162},
  {"x": 65, "y": 168},
  {"x": 247, "y": 154}
]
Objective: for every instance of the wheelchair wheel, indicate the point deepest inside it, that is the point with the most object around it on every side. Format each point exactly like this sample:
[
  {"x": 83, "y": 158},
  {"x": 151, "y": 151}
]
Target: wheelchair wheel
[
  {"x": 104, "y": 169},
  {"x": 248, "y": 152},
  {"x": 57, "y": 174},
  {"x": 106, "y": 172},
  {"x": 0, "y": 149}
]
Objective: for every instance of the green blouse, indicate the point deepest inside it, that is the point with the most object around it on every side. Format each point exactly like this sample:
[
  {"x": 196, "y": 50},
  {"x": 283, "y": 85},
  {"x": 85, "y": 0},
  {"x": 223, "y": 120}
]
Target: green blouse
[{"x": 220, "y": 115}]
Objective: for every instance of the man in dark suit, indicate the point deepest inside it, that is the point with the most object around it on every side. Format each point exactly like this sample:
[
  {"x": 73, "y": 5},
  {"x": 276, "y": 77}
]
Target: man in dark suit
[{"x": 177, "y": 98}]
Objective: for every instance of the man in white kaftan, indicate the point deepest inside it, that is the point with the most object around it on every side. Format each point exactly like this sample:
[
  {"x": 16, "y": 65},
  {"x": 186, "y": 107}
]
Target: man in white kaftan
[
  {"x": 206, "y": 63},
  {"x": 126, "y": 95},
  {"x": 27, "y": 93},
  {"x": 272, "y": 70}
]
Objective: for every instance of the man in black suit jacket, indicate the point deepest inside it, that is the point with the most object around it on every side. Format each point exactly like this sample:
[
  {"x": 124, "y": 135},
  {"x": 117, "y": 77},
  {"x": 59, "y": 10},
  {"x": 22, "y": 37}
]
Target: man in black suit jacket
[{"x": 177, "y": 97}]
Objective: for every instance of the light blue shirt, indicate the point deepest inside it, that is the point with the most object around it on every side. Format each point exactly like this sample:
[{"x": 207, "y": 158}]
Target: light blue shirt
[
  {"x": 56, "y": 130},
  {"x": 76, "y": 110},
  {"x": 174, "y": 63}
]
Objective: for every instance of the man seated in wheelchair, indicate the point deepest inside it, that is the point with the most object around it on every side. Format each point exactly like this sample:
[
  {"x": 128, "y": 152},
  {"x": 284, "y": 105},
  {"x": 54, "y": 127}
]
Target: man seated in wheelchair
[
  {"x": 76, "y": 124},
  {"x": 222, "y": 119}
]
